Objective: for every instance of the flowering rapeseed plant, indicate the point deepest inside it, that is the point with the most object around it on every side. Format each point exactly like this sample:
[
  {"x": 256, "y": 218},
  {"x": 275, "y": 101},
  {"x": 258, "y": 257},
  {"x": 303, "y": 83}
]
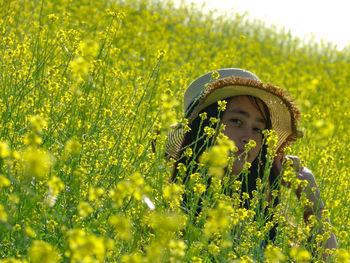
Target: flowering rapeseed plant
[
  {"x": 88, "y": 92},
  {"x": 42, "y": 252}
]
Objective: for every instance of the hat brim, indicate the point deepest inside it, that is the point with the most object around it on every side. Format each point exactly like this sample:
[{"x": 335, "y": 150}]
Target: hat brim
[{"x": 283, "y": 112}]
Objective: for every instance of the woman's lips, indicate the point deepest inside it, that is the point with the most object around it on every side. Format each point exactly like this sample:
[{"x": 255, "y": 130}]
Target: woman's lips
[{"x": 240, "y": 152}]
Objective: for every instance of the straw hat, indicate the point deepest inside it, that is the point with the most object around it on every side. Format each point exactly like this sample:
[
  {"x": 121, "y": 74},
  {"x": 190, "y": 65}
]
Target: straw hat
[{"x": 231, "y": 82}]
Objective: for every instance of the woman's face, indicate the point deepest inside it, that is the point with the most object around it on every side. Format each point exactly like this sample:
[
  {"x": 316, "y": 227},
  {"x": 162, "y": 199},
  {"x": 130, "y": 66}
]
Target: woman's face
[{"x": 244, "y": 122}]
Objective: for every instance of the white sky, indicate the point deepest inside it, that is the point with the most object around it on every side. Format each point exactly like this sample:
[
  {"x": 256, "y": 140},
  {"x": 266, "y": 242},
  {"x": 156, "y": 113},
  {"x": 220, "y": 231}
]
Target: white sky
[{"x": 324, "y": 19}]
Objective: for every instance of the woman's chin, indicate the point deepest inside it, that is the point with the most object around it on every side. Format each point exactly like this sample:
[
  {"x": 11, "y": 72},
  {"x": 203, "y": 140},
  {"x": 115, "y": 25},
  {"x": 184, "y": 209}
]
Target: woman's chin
[{"x": 238, "y": 166}]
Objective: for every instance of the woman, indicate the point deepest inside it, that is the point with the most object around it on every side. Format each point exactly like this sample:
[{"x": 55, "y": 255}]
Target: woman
[{"x": 251, "y": 108}]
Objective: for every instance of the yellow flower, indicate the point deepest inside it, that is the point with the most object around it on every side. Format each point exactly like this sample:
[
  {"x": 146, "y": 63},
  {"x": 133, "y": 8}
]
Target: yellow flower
[
  {"x": 161, "y": 53},
  {"x": 173, "y": 193},
  {"x": 210, "y": 132},
  {"x": 342, "y": 256},
  {"x": 86, "y": 247},
  {"x": 195, "y": 177},
  {"x": 52, "y": 225},
  {"x": 177, "y": 250},
  {"x": 246, "y": 166},
  {"x": 181, "y": 169},
  {"x": 121, "y": 226},
  {"x": 3, "y": 215},
  {"x": 52, "y": 17},
  {"x": 271, "y": 139},
  {"x": 84, "y": 209},
  {"x": 37, "y": 162},
  {"x": 72, "y": 147},
  {"x": 300, "y": 254},
  {"x": 89, "y": 49},
  {"x": 218, "y": 155},
  {"x": 32, "y": 139},
  {"x": 219, "y": 219},
  {"x": 213, "y": 249},
  {"x": 213, "y": 120},
  {"x": 95, "y": 193},
  {"x": 38, "y": 123},
  {"x": 79, "y": 67},
  {"x": 108, "y": 113},
  {"x": 215, "y": 75},
  {"x": 203, "y": 116},
  {"x": 42, "y": 252},
  {"x": 12, "y": 260},
  {"x": 222, "y": 105},
  {"x": 110, "y": 12},
  {"x": 188, "y": 152},
  {"x": 185, "y": 126},
  {"x": 4, "y": 150},
  {"x": 121, "y": 15},
  {"x": 133, "y": 258},
  {"x": 4, "y": 182},
  {"x": 165, "y": 224},
  {"x": 17, "y": 227},
  {"x": 273, "y": 254},
  {"x": 55, "y": 185},
  {"x": 199, "y": 188},
  {"x": 30, "y": 232},
  {"x": 196, "y": 260},
  {"x": 250, "y": 145},
  {"x": 13, "y": 199},
  {"x": 343, "y": 235}
]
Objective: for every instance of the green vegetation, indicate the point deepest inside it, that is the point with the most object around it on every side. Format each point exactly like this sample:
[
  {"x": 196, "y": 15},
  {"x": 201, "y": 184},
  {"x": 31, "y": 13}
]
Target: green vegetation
[{"x": 88, "y": 91}]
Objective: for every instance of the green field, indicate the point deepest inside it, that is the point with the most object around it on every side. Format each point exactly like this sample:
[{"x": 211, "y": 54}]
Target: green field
[{"x": 88, "y": 91}]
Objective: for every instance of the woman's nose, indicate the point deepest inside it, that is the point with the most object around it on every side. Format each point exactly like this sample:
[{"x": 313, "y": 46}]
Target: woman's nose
[
  {"x": 245, "y": 140},
  {"x": 247, "y": 135}
]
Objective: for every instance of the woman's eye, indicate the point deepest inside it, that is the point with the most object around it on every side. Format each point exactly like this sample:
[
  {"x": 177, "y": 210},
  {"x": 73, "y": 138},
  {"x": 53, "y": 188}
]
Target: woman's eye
[
  {"x": 258, "y": 130},
  {"x": 236, "y": 121}
]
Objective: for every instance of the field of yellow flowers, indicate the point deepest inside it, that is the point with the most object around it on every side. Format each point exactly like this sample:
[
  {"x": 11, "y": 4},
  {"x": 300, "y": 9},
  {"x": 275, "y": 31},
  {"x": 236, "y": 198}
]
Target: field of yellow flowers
[{"x": 88, "y": 91}]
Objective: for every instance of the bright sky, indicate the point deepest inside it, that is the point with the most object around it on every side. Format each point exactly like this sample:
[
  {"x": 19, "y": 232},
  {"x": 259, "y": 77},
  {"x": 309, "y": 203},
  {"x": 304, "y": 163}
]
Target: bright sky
[{"x": 324, "y": 19}]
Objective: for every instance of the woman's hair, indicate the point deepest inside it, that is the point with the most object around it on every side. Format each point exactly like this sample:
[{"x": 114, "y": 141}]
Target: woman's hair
[{"x": 199, "y": 143}]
